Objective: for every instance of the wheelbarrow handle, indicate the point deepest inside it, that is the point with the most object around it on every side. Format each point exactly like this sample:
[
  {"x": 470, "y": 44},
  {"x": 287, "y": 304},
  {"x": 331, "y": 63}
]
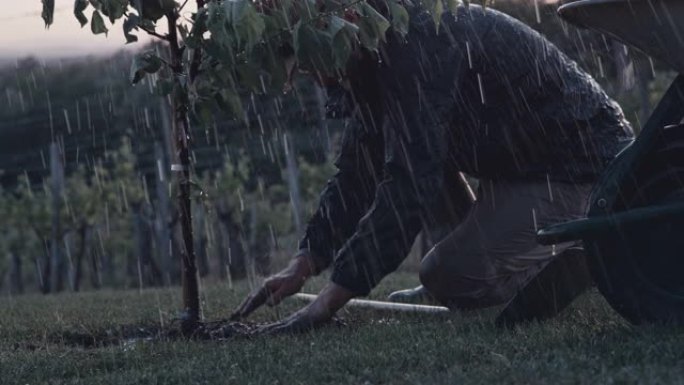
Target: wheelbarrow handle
[{"x": 590, "y": 228}]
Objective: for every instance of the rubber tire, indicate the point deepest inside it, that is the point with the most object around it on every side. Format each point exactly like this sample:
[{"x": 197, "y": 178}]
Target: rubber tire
[{"x": 639, "y": 269}]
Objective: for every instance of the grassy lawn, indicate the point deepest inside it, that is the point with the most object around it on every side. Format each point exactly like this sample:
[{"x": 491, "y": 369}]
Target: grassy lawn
[{"x": 588, "y": 343}]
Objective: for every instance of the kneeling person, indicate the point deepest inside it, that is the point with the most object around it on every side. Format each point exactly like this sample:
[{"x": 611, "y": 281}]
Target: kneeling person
[{"x": 487, "y": 96}]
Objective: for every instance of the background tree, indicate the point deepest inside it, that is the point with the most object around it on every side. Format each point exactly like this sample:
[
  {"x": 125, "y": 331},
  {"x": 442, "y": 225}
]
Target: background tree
[{"x": 222, "y": 51}]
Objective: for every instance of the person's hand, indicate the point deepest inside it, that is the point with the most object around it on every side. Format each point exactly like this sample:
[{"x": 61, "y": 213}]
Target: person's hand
[
  {"x": 317, "y": 313},
  {"x": 277, "y": 287}
]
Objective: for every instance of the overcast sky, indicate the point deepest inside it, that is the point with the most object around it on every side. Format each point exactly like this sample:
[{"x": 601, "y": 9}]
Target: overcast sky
[{"x": 23, "y": 33}]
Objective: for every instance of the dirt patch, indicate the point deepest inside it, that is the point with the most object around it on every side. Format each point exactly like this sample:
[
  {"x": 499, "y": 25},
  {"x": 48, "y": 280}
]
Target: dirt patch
[{"x": 128, "y": 335}]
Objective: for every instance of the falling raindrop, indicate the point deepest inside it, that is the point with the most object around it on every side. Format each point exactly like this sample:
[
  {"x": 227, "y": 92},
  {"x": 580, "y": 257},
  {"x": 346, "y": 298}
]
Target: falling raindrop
[
  {"x": 66, "y": 120},
  {"x": 482, "y": 92}
]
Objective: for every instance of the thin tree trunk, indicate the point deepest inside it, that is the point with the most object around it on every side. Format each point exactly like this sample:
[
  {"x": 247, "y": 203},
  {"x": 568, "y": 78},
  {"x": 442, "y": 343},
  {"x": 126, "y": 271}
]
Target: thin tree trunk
[
  {"x": 624, "y": 67},
  {"x": 107, "y": 269},
  {"x": 45, "y": 271},
  {"x": 155, "y": 271},
  {"x": 95, "y": 277},
  {"x": 233, "y": 245},
  {"x": 144, "y": 260},
  {"x": 189, "y": 279},
  {"x": 162, "y": 205},
  {"x": 16, "y": 277},
  {"x": 293, "y": 183},
  {"x": 200, "y": 241},
  {"x": 78, "y": 268},
  {"x": 57, "y": 175},
  {"x": 645, "y": 75},
  {"x": 136, "y": 265},
  {"x": 253, "y": 248},
  {"x": 220, "y": 248}
]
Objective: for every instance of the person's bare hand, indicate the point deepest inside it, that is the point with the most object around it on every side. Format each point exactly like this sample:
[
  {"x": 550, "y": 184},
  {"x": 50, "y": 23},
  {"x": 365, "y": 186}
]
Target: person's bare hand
[
  {"x": 305, "y": 319},
  {"x": 277, "y": 287},
  {"x": 320, "y": 312}
]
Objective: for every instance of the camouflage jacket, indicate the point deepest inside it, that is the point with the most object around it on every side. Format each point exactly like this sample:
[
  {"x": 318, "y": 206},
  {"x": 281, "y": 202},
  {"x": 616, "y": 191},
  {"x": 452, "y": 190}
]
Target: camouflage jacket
[{"x": 484, "y": 94}]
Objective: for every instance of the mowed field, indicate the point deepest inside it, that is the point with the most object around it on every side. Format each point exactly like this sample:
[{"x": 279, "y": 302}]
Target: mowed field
[{"x": 50, "y": 340}]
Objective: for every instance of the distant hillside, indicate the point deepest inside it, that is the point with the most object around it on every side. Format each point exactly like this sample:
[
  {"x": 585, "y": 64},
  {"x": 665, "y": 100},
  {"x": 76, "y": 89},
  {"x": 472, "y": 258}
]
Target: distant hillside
[
  {"x": 88, "y": 105},
  {"x": 5, "y": 62}
]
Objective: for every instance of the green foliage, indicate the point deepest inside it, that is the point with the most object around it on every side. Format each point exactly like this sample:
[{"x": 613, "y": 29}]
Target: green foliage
[
  {"x": 231, "y": 48},
  {"x": 102, "y": 198},
  {"x": 131, "y": 23},
  {"x": 146, "y": 63},
  {"x": 97, "y": 25},
  {"x": 400, "y": 17},
  {"x": 436, "y": 8},
  {"x": 105, "y": 198},
  {"x": 48, "y": 12},
  {"x": 247, "y": 43},
  {"x": 244, "y": 24},
  {"x": 312, "y": 178},
  {"x": 153, "y": 10},
  {"x": 79, "y": 7},
  {"x": 372, "y": 26}
]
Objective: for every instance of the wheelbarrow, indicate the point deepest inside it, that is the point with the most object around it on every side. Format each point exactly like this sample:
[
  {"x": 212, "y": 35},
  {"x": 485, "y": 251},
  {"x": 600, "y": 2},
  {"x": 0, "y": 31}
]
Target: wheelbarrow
[{"x": 633, "y": 235}]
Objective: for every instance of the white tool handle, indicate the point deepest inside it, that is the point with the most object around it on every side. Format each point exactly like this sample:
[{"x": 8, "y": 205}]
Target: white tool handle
[{"x": 381, "y": 305}]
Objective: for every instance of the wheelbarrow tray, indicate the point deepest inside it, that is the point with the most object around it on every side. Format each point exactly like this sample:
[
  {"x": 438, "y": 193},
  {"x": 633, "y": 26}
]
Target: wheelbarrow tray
[{"x": 655, "y": 27}]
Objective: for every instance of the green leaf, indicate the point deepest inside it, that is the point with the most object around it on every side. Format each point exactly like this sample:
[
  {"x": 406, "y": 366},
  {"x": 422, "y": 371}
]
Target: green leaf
[
  {"x": 130, "y": 24},
  {"x": 48, "y": 12},
  {"x": 232, "y": 101},
  {"x": 337, "y": 24},
  {"x": 220, "y": 45},
  {"x": 248, "y": 75},
  {"x": 79, "y": 7},
  {"x": 342, "y": 48},
  {"x": 305, "y": 10},
  {"x": 343, "y": 36},
  {"x": 437, "y": 13},
  {"x": 146, "y": 63},
  {"x": 312, "y": 47},
  {"x": 97, "y": 24},
  {"x": 436, "y": 9},
  {"x": 380, "y": 22},
  {"x": 279, "y": 18},
  {"x": 193, "y": 37},
  {"x": 373, "y": 26},
  {"x": 270, "y": 61},
  {"x": 164, "y": 87},
  {"x": 205, "y": 114},
  {"x": 114, "y": 9},
  {"x": 452, "y": 5},
  {"x": 400, "y": 17},
  {"x": 245, "y": 21},
  {"x": 168, "y": 5},
  {"x": 153, "y": 9}
]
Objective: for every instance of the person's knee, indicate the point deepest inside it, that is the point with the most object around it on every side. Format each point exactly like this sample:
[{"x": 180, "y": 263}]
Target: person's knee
[
  {"x": 431, "y": 275},
  {"x": 450, "y": 284}
]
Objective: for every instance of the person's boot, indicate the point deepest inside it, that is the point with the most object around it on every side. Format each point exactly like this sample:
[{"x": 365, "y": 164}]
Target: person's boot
[
  {"x": 417, "y": 295},
  {"x": 552, "y": 290}
]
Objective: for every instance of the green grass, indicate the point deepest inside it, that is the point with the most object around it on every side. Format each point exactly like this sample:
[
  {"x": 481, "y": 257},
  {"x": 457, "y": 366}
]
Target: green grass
[{"x": 588, "y": 343}]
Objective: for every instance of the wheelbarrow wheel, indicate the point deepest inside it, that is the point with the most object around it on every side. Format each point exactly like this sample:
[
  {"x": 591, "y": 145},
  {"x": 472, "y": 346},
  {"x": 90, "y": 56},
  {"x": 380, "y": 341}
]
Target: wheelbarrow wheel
[{"x": 639, "y": 267}]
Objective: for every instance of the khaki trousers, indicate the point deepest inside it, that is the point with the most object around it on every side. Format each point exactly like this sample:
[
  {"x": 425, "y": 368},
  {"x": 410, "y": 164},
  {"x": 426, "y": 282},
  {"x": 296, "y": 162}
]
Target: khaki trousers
[{"x": 493, "y": 252}]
